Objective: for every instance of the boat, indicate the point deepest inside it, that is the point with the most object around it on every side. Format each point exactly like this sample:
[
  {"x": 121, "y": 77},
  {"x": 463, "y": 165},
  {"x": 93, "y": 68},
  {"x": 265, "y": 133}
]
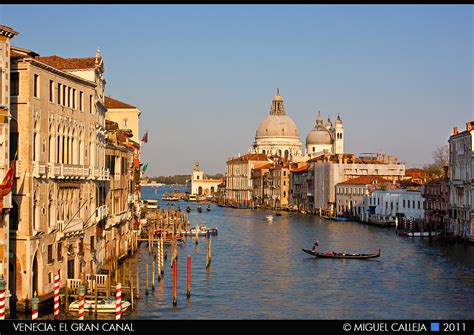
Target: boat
[
  {"x": 192, "y": 197},
  {"x": 201, "y": 230},
  {"x": 278, "y": 214},
  {"x": 104, "y": 305},
  {"x": 188, "y": 209},
  {"x": 201, "y": 198},
  {"x": 333, "y": 254},
  {"x": 200, "y": 209},
  {"x": 337, "y": 218},
  {"x": 269, "y": 217},
  {"x": 170, "y": 197},
  {"x": 419, "y": 233},
  {"x": 209, "y": 207},
  {"x": 151, "y": 203}
]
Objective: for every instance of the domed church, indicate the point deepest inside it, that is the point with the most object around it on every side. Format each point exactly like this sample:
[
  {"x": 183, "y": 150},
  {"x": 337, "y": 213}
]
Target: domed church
[
  {"x": 325, "y": 138},
  {"x": 278, "y": 134}
]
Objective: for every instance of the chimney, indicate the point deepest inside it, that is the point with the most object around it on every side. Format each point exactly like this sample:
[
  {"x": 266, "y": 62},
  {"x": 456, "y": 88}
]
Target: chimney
[
  {"x": 468, "y": 126},
  {"x": 339, "y": 158},
  {"x": 383, "y": 158},
  {"x": 345, "y": 160},
  {"x": 390, "y": 158},
  {"x": 396, "y": 160},
  {"x": 455, "y": 130}
]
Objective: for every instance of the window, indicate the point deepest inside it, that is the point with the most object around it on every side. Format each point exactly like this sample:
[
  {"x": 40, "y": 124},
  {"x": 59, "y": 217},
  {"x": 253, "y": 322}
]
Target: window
[
  {"x": 51, "y": 91},
  {"x": 63, "y": 102},
  {"x": 36, "y": 85},
  {"x": 418, "y": 204},
  {"x": 74, "y": 98},
  {"x": 408, "y": 202},
  {"x": 69, "y": 97},
  {"x": 90, "y": 104},
  {"x": 50, "y": 254},
  {"x": 403, "y": 203},
  {"x": 81, "y": 101},
  {"x": 50, "y": 277},
  {"x": 92, "y": 243},
  {"x": 15, "y": 84},
  {"x": 59, "y": 93},
  {"x": 125, "y": 122},
  {"x": 60, "y": 251}
]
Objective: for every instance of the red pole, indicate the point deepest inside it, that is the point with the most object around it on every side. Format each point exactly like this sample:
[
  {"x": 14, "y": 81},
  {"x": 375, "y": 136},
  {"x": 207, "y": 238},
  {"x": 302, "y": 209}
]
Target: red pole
[
  {"x": 56, "y": 297},
  {"x": 2, "y": 299},
  {"x": 175, "y": 282},
  {"x": 189, "y": 277},
  {"x": 82, "y": 291},
  {"x": 118, "y": 301}
]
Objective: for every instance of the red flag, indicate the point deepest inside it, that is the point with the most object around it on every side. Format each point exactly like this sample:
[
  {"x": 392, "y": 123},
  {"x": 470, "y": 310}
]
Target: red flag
[
  {"x": 7, "y": 183},
  {"x": 145, "y": 137}
]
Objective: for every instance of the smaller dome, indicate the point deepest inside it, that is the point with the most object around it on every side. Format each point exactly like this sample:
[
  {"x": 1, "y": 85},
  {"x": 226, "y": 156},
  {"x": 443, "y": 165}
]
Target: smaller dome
[
  {"x": 319, "y": 135},
  {"x": 338, "y": 120}
]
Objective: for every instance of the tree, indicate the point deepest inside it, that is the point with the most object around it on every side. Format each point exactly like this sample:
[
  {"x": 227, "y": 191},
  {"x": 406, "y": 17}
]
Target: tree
[{"x": 440, "y": 160}]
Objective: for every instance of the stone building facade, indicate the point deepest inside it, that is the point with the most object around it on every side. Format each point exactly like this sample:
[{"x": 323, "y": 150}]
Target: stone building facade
[{"x": 60, "y": 175}]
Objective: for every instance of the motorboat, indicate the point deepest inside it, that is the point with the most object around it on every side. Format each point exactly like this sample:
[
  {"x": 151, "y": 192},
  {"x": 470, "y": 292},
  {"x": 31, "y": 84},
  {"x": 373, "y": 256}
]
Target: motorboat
[
  {"x": 104, "y": 305},
  {"x": 151, "y": 203},
  {"x": 201, "y": 231},
  {"x": 269, "y": 217}
]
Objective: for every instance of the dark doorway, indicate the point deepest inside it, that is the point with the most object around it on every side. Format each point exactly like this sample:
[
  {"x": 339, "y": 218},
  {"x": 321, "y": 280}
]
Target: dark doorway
[
  {"x": 35, "y": 274},
  {"x": 70, "y": 269}
]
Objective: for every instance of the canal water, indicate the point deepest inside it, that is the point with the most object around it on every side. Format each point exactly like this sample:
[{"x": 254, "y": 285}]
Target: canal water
[{"x": 259, "y": 271}]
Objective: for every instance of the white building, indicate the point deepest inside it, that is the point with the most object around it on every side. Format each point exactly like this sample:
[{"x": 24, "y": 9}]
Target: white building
[
  {"x": 330, "y": 169},
  {"x": 198, "y": 185},
  {"x": 386, "y": 204},
  {"x": 278, "y": 134},
  {"x": 325, "y": 139},
  {"x": 461, "y": 189}
]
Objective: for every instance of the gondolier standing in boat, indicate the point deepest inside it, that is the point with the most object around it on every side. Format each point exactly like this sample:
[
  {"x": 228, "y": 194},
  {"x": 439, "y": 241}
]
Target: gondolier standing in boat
[{"x": 316, "y": 244}]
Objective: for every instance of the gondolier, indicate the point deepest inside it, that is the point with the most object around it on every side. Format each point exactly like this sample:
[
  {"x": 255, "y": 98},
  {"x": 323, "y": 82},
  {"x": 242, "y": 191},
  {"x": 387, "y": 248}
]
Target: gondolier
[{"x": 315, "y": 245}]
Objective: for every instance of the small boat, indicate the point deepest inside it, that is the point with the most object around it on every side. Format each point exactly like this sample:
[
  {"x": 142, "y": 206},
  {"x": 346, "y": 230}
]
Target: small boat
[
  {"x": 188, "y": 209},
  {"x": 269, "y": 217},
  {"x": 201, "y": 231},
  {"x": 104, "y": 305},
  {"x": 337, "y": 218},
  {"x": 278, "y": 214},
  {"x": 192, "y": 197},
  {"x": 200, "y": 209},
  {"x": 333, "y": 254},
  {"x": 209, "y": 208},
  {"x": 419, "y": 233},
  {"x": 151, "y": 203}
]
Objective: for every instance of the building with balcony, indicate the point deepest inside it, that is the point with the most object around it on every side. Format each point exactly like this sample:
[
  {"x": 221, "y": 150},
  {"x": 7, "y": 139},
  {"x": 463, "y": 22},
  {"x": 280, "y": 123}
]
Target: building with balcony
[
  {"x": 461, "y": 182},
  {"x": 299, "y": 186},
  {"x": 60, "y": 186},
  {"x": 436, "y": 195}
]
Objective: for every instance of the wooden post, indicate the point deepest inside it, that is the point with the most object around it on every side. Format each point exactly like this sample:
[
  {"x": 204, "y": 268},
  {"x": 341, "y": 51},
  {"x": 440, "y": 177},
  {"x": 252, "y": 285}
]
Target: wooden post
[
  {"x": 158, "y": 269},
  {"x": 189, "y": 277},
  {"x": 138, "y": 284},
  {"x": 66, "y": 293},
  {"x": 162, "y": 258},
  {"x": 146, "y": 281},
  {"x": 175, "y": 282},
  {"x": 153, "y": 276},
  {"x": 96, "y": 295},
  {"x": 208, "y": 253}
]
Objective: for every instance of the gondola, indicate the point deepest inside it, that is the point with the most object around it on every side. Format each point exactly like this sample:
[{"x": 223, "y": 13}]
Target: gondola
[
  {"x": 199, "y": 209},
  {"x": 188, "y": 209},
  {"x": 208, "y": 208},
  {"x": 333, "y": 254}
]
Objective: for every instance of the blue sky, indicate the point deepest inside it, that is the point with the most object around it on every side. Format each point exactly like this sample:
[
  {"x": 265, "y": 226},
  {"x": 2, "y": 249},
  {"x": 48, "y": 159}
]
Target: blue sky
[{"x": 400, "y": 76}]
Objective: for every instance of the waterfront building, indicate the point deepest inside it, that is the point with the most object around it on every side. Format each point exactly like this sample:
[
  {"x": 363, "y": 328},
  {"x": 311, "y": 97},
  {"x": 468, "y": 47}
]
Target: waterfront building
[
  {"x": 6, "y": 155},
  {"x": 258, "y": 176},
  {"x": 416, "y": 175},
  {"x": 200, "y": 186},
  {"x": 278, "y": 134},
  {"x": 126, "y": 115},
  {"x": 238, "y": 177},
  {"x": 350, "y": 194},
  {"x": 461, "y": 190},
  {"x": 325, "y": 138},
  {"x": 436, "y": 195},
  {"x": 299, "y": 186},
  {"x": 60, "y": 175},
  {"x": 327, "y": 170},
  {"x": 117, "y": 232},
  {"x": 386, "y": 205},
  {"x": 277, "y": 184}
]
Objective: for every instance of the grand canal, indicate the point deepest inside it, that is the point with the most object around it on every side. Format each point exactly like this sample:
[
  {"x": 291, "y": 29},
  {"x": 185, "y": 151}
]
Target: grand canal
[{"x": 258, "y": 271}]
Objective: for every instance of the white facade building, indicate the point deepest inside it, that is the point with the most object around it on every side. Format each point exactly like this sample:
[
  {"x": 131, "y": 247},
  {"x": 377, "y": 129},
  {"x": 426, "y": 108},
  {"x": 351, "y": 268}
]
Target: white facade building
[
  {"x": 461, "y": 189},
  {"x": 325, "y": 139},
  {"x": 198, "y": 185}
]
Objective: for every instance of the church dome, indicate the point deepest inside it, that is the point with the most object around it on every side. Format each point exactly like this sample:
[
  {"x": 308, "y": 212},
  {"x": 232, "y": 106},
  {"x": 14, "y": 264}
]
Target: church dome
[
  {"x": 319, "y": 134},
  {"x": 277, "y": 124}
]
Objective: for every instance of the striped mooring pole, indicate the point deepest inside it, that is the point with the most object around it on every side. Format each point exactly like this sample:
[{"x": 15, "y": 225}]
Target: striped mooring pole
[
  {"x": 56, "y": 297},
  {"x": 118, "y": 302},
  {"x": 82, "y": 292},
  {"x": 34, "y": 307},
  {"x": 2, "y": 299}
]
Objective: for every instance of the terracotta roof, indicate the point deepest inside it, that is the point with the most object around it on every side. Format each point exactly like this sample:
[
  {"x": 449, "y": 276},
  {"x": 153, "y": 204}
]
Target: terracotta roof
[
  {"x": 250, "y": 157},
  {"x": 114, "y": 103},
  {"x": 263, "y": 166},
  {"x": 68, "y": 63},
  {"x": 365, "y": 180},
  {"x": 300, "y": 169}
]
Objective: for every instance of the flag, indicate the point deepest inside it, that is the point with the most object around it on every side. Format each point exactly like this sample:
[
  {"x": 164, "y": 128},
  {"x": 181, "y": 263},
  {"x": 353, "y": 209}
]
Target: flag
[
  {"x": 145, "y": 137},
  {"x": 145, "y": 167},
  {"x": 7, "y": 183}
]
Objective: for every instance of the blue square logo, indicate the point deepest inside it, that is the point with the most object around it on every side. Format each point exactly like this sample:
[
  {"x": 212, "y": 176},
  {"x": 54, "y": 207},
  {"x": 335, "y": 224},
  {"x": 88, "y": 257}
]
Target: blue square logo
[{"x": 435, "y": 327}]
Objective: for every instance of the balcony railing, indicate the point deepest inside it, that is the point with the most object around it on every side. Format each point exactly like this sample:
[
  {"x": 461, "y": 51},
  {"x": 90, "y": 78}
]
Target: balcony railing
[
  {"x": 102, "y": 212},
  {"x": 70, "y": 226}
]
